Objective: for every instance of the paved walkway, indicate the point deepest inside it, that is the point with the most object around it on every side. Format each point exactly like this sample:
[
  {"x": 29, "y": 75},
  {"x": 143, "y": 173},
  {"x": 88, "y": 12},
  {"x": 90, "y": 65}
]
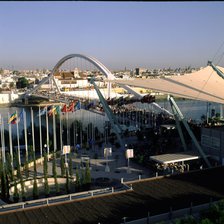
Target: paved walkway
[{"x": 117, "y": 163}]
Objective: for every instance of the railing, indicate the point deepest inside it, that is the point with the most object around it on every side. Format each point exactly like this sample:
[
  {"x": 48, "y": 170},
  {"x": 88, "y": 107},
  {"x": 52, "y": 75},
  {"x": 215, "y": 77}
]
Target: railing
[
  {"x": 126, "y": 186},
  {"x": 63, "y": 198}
]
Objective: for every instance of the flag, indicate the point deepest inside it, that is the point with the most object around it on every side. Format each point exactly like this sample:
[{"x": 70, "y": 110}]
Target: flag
[
  {"x": 71, "y": 107},
  {"x": 17, "y": 119},
  {"x": 12, "y": 117},
  {"x": 64, "y": 108},
  {"x": 91, "y": 104},
  {"x": 52, "y": 111},
  {"x": 20, "y": 117},
  {"x": 58, "y": 110},
  {"x": 78, "y": 105},
  {"x": 42, "y": 112}
]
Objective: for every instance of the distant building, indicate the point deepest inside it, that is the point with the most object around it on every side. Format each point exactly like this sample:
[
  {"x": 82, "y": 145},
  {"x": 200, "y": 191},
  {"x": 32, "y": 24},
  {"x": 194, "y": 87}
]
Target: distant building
[
  {"x": 139, "y": 71},
  {"x": 8, "y": 97}
]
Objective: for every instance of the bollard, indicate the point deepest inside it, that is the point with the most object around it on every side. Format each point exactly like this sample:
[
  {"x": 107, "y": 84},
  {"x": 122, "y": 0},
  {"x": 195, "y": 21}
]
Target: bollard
[
  {"x": 91, "y": 193},
  {"x": 156, "y": 174},
  {"x": 131, "y": 187},
  {"x": 122, "y": 180},
  {"x": 112, "y": 189},
  {"x": 70, "y": 197},
  {"x": 23, "y": 205},
  {"x": 139, "y": 177},
  {"x": 47, "y": 202}
]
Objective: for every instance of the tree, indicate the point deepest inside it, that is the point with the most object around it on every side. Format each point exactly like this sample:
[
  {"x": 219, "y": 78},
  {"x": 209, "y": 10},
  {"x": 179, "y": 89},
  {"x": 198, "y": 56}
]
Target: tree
[
  {"x": 207, "y": 221},
  {"x": 35, "y": 189},
  {"x": 9, "y": 168},
  {"x": 18, "y": 167},
  {"x": 22, "y": 188},
  {"x": 83, "y": 179},
  {"x": 22, "y": 83},
  {"x": 4, "y": 85},
  {"x": 54, "y": 171},
  {"x": 70, "y": 165},
  {"x": 34, "y": 163},
  {"x": 4, "y": 182},
  {"x": 46, "y": 185},
  {"x": 26, "y": 167},
  {"x": 78, "y": 181},
  {"x": 67, "y": 185},
  {"x": 15, "y": 72},
  {"x": 11, "y": 85},
  {"x": 87, "y": 175},
  {"x": 62, "y": 165},
  {"x": 16, "y": 193}
]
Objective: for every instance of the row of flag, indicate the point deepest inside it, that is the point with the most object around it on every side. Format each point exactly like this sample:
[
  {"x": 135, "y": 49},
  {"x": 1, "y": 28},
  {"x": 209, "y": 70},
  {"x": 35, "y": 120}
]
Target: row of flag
[
  {"x": 56, "y": 110},
  {"x": 50, "y": 110}
]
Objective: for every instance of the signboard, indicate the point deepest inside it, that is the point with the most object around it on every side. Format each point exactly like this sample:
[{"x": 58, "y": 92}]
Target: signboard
[
  {"x": 129, "y": 153},
  {"x": 107, "y": 152},
  {"x": 66, "y": 149}
]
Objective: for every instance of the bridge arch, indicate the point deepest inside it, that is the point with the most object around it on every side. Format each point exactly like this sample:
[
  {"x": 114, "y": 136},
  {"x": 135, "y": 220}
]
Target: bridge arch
[{"x": 91, "y": 59}]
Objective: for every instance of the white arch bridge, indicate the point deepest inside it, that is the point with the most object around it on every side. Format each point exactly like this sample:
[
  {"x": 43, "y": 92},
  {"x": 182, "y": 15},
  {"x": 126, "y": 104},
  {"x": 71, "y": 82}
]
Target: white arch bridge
[{"x": 59, "y": 96}]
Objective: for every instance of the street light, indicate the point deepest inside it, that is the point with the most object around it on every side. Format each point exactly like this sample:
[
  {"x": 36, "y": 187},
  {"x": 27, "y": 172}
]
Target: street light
[{"x": 45, "y": 148}]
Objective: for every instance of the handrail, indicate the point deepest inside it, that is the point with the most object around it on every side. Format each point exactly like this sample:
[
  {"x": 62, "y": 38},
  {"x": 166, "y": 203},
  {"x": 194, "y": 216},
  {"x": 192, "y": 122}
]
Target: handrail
[{"x": 66, "y": 197}]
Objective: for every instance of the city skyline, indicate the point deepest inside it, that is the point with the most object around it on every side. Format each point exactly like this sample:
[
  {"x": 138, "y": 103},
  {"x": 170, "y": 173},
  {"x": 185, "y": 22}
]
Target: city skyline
[{"x": 119, "y": 34}]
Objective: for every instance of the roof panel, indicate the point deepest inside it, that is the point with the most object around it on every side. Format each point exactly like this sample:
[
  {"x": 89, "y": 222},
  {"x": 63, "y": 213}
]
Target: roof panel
[{"x": 175, "y": 157}]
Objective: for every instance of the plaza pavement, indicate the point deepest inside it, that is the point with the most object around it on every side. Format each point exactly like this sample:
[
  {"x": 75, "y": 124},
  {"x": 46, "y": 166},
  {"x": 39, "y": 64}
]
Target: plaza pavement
[{"x": 117, "y": 163}]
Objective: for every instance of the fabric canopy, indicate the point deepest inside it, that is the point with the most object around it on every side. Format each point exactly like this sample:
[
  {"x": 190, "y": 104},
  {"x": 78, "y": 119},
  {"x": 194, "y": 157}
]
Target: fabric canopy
[{"x": 204, "y": 85}]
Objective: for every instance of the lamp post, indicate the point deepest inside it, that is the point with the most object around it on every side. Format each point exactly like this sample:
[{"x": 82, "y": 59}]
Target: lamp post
[
  {"x": 45, "y": 148},
  {"x": 107, "y": 153}
]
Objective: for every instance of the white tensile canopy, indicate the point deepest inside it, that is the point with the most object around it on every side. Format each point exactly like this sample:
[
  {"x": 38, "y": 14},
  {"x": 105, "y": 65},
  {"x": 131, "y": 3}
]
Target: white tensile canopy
[
  {"x": 205, "y": 85},
  {"x": 175, "y": 157}
]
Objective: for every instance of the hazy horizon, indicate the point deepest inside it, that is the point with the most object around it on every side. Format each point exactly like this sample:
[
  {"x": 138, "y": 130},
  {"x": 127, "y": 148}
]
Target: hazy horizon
[{"x": 119, "y": 34}]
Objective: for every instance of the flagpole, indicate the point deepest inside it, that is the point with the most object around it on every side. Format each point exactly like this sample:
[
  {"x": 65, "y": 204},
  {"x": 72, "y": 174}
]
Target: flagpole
[
  {"x": 67, "y": 128},
  {"x": 61, "y": 143},
  {"x": 3, "y": 126},
  {"x": 2, "y": 140},
  {"x": 47, "y": 135},
  {"x": 41, "y": 149},
  {"x": 25, "y": 133},
  {"x": 10, "y": 141},
  {"x": 54, "y": 133},
  {"x": 18, "y": 143},
  {"x": 32, "y": 123}
]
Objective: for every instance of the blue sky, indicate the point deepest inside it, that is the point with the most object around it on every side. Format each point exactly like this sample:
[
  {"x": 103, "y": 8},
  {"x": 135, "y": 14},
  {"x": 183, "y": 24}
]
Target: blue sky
[{"x": 119, "y": 34}]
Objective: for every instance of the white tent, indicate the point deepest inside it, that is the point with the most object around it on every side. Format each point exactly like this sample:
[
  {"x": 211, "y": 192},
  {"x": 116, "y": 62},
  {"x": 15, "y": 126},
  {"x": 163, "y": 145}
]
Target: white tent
[{"x": 204, "y": 85}]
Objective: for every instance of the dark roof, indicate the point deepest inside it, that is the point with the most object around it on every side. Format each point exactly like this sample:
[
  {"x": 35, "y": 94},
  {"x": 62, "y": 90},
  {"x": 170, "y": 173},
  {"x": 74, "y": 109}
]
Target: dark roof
[{"x": 154, "y": 196}]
